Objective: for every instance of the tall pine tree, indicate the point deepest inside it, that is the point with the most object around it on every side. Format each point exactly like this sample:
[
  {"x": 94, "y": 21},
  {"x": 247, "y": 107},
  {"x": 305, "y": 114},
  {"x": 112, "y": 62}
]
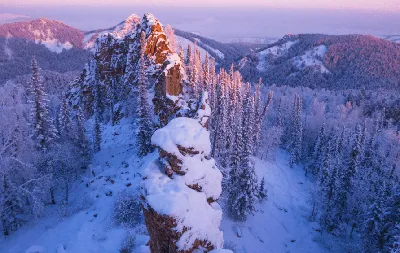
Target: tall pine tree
[{"x": 145, "y": 122}]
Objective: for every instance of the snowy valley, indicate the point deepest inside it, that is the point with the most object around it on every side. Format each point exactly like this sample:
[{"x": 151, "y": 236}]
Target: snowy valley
[{"x": 88, "y": 224}]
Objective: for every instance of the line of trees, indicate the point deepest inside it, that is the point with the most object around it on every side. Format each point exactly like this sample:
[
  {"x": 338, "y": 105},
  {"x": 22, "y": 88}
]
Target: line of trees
[{"x": 39, "y": 154}]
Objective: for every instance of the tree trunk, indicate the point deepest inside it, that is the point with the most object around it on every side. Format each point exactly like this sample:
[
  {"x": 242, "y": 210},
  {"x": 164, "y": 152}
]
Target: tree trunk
[
  {"x": 352, "y": 229},
  {"x": 52, "y": 195},
  {"x": 66, "y": 192}
]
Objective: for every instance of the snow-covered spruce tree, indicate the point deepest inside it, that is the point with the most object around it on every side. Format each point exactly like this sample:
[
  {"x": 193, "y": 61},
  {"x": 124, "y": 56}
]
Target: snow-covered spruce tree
[
  {"x": 189, "y": 62},
  {"x": 96, "y": 134},
  {"x": 64, "y": 120},
  {"x": 81, "y": 140},
  {"x": 206, "y": 73},
  {"x": 319, "y": 149},
  {"x": 231, "y": 105},
  {"x": 348, "y": 209},
  {"x": 325, "y": 163},
  {"x": 145, "y": 122},
  {"x": 213, "y": 81},
  {"x": 194, "y": 79},
  {"x": 23, "y": 186},
  {"x": 262, "y": 194},
  {"x": 377, "y": 224},
  {"x": 11, "y": 208},
  {"x": 99, "y": 93},
  {"x": 354, "y": 161},
  {"x": 297, "y": 132},
  {"x": 248, "y": 179},
  {"x": 110, "y": 98},
  {"x": 199, "y": 67},
  {"x": 242, "y": 198},
  {"x": 11, "y": 198},
  {"x": 181, "y": 53},
  {"x": 394, "y": 217},
  {"x": 257, "y": 115},
  {"x": 220, "y": 121},
  {"x": 279, "y": 119},
  {"x": 233, "y": 177},
  {"x": 395, "y": 247},
  {"x": 44, "y": 132},
  {"x": 328, "y": 180}
]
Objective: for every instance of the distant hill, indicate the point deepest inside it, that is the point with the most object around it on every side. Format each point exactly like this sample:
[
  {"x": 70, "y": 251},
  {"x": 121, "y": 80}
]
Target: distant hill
[
  {"x": 313, "y": 60},
  {"x": 16, "y": 55},
  {"x": 224, "y": 53},
  {"x": 53, "y": 34},
  {"x": 393, "y": 38},
  {"x": 316, "y": 60},
  {"x": 61, "y": 48}
]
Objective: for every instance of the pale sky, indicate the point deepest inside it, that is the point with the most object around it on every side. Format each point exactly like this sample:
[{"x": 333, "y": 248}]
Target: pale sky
[{"x": 386, "y": 5}]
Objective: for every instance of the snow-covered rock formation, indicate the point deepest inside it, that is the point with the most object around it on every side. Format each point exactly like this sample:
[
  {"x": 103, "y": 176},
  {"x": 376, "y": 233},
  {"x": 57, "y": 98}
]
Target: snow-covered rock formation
[{"x": 180, "y": 189}]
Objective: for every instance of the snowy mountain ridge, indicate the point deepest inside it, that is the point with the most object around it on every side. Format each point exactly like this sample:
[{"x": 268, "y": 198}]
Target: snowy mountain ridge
[
  {"x": 326, "y": 61},
  {"x": 119, "y": 31},
  {"x": 55, "y": 35}
]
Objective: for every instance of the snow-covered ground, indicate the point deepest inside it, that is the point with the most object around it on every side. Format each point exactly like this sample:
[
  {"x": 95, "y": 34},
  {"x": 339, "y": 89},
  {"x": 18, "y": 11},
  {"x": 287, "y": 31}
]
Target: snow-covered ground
[
  {"x": 55, "y": 45},
  {"x": 185, "y": 42},
  {"x": 280, "y": 225},
  {"x": 393, "y": 38},
  {"x": 312, "y": 57},
  {"x": 88, "y": 226},
  {"x": 275, "y": 51}
]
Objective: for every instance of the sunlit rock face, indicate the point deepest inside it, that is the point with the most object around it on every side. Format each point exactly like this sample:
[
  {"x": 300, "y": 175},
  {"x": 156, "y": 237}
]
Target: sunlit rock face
[{"x": 115, "y": 69}]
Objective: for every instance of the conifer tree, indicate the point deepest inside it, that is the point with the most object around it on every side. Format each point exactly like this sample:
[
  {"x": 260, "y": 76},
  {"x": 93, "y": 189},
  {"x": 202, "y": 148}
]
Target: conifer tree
[
  {"x": 395, "y": 248},
  {"x": 243, "y": 198},
  {"x": 11, "y": 208},
  {"x": 11, "y": 201},
  {"x": 220, "y": 120},
  {"x": 181, "y": 55},
  {"x": 377, "y": 226},
  {"x": 145, "y": 120},
  {"x": 257, "y": 115},
  {"x": 297, "y": 134},
  {"x": 44, "y": 132},
  {"x": 96, "y": 134},
  {"x": 279, "y": 122},
  {"x": 80, "y": 140},
  {"x": 64, "y": 119},
  {"x": 206, "y": 75},
  {"x": 319, "y": 149},
  {"x": 188, "y": 59},
  {"x": 262, "y": 191},
  {"x": 99, "y": 106}
]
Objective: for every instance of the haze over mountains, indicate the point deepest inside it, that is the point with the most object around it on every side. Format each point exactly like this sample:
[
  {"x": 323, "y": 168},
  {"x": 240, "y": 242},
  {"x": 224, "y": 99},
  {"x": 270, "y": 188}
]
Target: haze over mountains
[
  {"x": 303, "y": 62},
  {"x": 211, "y": 22}
]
